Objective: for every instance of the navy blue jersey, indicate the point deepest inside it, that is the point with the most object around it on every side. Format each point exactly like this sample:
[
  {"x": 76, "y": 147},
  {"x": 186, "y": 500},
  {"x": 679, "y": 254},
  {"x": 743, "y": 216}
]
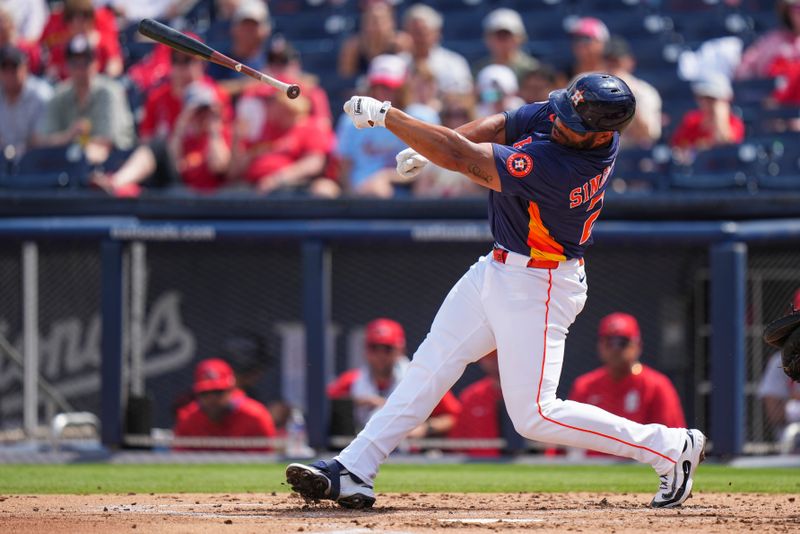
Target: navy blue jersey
[{"x": 551, "y": 194}]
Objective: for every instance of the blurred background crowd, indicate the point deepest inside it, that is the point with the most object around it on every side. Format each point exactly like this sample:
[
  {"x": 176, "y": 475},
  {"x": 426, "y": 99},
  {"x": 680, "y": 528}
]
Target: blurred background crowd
[{"x": 86, "y": 102}]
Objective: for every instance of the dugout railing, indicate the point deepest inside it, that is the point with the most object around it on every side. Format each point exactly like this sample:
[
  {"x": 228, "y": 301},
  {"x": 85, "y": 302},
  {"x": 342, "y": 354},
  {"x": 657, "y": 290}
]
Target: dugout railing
[{"x": 100, "y": 294}]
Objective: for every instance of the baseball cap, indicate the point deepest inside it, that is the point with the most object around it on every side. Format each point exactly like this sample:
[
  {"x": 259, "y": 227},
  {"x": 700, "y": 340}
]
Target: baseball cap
[
  {"x": 199, "y": 94},
  {"x": 252, "y": 10},
  {"x": 213, "y": 374},
  {"x": 80, "y": 46},
  {"x": 280, "y": 51},
  {"x": 619, "y": 324},
  {"x": 388, "y": 70},
  {"x": 714, "y": 85},
  {"x": 617, "y": 47},
  {"x": 12, "y": 54},
  {"x": 590, "y": 27},
  {"x": 495, "y": 79},
  {"x": 384, "y": 331},
  {"x": 504, "y": 19}
]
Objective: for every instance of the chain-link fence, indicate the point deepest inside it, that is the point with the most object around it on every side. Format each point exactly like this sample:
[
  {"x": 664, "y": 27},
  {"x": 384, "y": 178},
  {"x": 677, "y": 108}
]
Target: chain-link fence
[
  {"x": 242, "y": 301},
  {"x": 773, "y": 281},
  {"x": 10, "y": 330}
]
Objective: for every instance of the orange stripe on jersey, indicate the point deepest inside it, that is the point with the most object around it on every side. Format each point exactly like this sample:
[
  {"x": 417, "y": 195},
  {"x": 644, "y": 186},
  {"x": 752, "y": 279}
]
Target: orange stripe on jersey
[{"x": 542, "y": 244}]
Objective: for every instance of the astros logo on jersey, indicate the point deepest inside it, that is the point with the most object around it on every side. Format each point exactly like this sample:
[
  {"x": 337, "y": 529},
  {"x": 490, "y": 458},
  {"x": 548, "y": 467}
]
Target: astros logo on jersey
[
  {"x": 519, "y": 165},
  {"x": 577, "y": 97}
]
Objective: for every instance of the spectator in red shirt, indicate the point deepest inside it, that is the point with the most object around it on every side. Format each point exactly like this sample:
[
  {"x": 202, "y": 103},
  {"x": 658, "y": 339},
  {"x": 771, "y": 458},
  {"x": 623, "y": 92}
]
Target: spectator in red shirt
[
  {"x": 80, "y": 17},
  {"x": 10, "y": 37},
  {"x": 277, "y": 145},
  {"x": 165, "y": 101},
  {"x": 481, "y": 402},
  {"x": 221, "y": 409},
  {"x": 713, "y": 123},
  {"x": 624, "y": 386},
  {"x": 780, "y": 45},
  {"x": 197, "y": 152},
  {"x": 385, "y": 364}
]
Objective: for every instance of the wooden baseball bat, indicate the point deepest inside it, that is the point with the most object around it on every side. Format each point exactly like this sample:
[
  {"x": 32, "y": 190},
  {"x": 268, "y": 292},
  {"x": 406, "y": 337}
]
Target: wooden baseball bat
[{"x": 183, "y": 43}]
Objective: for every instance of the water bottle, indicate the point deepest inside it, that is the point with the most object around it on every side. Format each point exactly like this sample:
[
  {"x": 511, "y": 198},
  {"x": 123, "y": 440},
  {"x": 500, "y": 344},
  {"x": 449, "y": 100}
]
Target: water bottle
[{"x": 296, "y": 436}]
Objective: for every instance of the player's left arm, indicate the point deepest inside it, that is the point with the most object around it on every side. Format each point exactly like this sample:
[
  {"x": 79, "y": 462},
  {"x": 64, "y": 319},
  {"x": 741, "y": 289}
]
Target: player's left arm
[{"x": 446, "y": 148}]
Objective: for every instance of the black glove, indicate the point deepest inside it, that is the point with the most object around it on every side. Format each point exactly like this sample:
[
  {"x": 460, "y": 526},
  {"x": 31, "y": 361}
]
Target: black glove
[{"x": 784, "y": 333}]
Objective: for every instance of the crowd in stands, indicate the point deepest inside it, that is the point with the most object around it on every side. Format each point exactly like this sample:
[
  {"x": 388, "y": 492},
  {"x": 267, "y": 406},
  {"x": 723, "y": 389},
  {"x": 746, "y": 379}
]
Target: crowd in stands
[{"x": 140, "y": 117}]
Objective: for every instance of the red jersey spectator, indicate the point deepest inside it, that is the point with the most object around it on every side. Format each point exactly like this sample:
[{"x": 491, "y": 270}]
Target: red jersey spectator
[
  {"x": 624, "y": 386},
  {"x": 222, "y": 410},
  {"x": 386, "y": 363},
  {"x": 480, "y": 405},
  {"x": 197, "y": 152},
  {"x": 80, "y": 17},
  {"x": 779, "y": 45},
  {"x": 165, "y": 102},
  {"x": 10, "y": 37},
  {"x": 283, "y": 63},
  {"x": 277, "y": 145},
  {"x": 714, "y": 123}
]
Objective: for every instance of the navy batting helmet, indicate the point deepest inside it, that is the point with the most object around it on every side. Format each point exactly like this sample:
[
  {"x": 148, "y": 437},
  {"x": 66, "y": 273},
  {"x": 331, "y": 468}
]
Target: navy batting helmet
[{"x": 594, "y": 102}]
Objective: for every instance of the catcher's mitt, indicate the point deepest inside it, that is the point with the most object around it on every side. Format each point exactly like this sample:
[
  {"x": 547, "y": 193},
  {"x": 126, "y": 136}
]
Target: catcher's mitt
[{"x": 784, "y": 333}]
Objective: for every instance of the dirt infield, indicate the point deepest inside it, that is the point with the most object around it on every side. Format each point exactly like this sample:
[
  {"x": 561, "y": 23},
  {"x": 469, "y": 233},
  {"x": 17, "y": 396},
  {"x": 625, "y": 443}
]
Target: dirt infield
[{"x": 395, "y": 514}]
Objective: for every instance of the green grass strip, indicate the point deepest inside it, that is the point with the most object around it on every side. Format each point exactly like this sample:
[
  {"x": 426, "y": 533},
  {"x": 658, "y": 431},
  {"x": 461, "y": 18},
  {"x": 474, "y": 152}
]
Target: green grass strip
[{"x": 500, "y": 478}]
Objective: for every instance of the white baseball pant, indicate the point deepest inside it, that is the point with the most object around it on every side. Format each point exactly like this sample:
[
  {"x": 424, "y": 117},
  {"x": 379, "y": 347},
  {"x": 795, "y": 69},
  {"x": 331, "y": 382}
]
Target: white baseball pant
[{"x": 525, "y": 313}]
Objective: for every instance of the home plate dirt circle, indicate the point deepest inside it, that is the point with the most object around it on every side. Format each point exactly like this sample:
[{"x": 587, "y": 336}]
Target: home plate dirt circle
[{"x": 396, "y": 513}]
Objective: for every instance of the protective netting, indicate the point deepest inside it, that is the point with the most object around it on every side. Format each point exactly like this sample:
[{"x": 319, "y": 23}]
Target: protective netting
[
  {"x": 773, "y": 280},
  {"x": 69, "y": 329},
  {"x": 11, "y": 331},
  {"x": 242, "y": 301},
  {"x": 408, "y": 284}
]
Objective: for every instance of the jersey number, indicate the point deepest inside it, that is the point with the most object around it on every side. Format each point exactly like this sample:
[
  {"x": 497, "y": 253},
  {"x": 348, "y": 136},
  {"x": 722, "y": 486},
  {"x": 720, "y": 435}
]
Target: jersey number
[{"x": 588, "y": 226}]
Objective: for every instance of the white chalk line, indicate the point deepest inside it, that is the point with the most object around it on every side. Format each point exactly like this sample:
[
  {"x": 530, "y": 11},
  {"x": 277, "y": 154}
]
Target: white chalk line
[{"x": 489, "y": 520}]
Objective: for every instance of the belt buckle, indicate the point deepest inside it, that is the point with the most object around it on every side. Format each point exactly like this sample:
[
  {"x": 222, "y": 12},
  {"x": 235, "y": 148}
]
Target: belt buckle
[{"x": 499, "y": 255}]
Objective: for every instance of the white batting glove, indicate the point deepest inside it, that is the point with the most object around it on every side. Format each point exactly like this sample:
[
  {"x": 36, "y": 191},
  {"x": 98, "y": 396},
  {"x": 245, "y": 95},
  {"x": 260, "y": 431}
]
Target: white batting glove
[
  {"x": 410, "y": 163},
  {"x": 366, "y": 112}
]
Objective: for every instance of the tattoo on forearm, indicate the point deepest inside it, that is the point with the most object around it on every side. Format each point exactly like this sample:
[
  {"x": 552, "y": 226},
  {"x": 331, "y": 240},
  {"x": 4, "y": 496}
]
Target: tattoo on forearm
[{"x": 480, "y": 173}]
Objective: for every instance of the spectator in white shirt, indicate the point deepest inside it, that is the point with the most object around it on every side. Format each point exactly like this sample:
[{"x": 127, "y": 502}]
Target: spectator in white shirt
[{"x": 452, "y": 72}]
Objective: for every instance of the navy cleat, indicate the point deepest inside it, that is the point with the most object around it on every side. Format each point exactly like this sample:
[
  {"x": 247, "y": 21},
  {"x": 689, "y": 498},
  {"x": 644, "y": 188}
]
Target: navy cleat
[
  {"x": 330, "y": 480},
  {"x": 676, "y": 486}
]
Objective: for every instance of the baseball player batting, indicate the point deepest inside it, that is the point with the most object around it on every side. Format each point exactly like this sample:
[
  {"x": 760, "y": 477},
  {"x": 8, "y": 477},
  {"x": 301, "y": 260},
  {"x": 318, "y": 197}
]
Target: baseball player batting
[{"x": 546, "y": 166}]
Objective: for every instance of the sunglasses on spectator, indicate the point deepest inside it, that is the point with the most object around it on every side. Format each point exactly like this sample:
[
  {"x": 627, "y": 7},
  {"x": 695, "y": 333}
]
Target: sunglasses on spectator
[
  {"x": 380, "y": 347},
  {"x": 581, "y": 39},
  {"x": 213, "y": 393},
  {"x": 617, "y": 342},
  {"x": 8, "y": 65},
  {"x": 86, "y": 14},
  {"x": 181, "y": 59},
  {"x": 503, "y": 34},
  {"x": 80, "y": 61}
]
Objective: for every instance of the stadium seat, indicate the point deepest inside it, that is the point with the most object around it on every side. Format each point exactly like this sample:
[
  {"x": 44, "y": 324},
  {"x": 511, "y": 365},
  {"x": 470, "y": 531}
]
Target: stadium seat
[
  {"x": 759, "y": 121},
  {"x": 45, "y": 168},
  {"x": 746, "y": 92},
  {"x": 643, "y": 168},
  {"x": 725, "y": 167},
  {"x": 781, "y": 169},
  {"x": 463, "y": 22}
]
